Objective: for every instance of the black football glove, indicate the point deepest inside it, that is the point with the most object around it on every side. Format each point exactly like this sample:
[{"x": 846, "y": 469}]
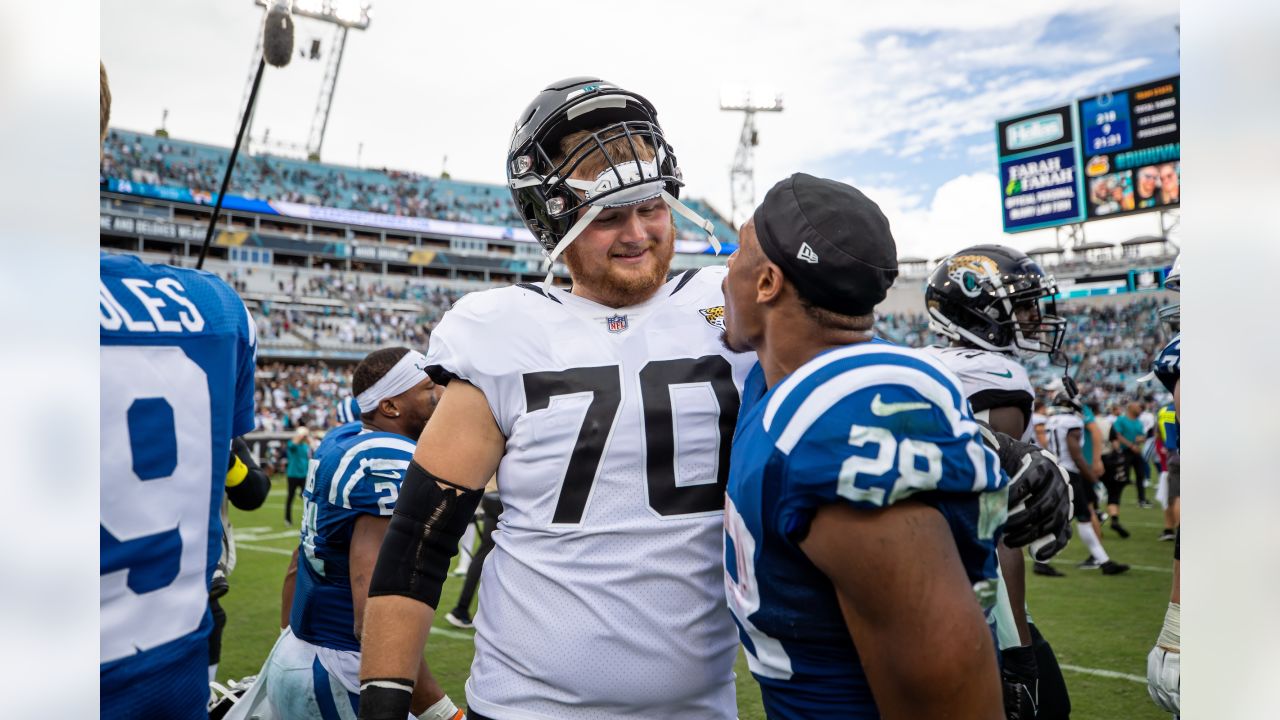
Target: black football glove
[
  {"x": 1021, "y": 680},
  {"x": 1039, "y": 496}
]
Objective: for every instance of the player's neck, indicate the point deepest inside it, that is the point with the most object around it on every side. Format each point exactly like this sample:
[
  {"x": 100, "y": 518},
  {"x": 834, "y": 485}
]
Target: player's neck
[{"x": 795, "y": 341}]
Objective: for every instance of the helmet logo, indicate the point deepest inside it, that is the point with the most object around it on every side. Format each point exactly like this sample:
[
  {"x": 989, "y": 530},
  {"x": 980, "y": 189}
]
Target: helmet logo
[
  {"x": 968, "y": 271},
  {"x": 588, "y": 89}
]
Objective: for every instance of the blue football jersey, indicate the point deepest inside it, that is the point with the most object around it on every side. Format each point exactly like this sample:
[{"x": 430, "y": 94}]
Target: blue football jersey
[
  {"x": 358, "y": 474},
  {"x": 869, "y": 425},
  {"x": 1167, "y": 366},
  {"x": 177, "y": 360}
]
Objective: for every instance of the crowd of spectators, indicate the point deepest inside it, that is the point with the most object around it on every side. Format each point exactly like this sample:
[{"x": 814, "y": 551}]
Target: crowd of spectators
[
  {"x": 145, "y": 158},
  {"x": 292, "y": 395}
]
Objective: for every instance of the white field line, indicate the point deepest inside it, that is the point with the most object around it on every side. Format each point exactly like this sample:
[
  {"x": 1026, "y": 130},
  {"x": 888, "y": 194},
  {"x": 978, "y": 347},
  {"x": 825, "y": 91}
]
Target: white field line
[
  {"x": 259, "y": 548},
  {"x": 1099, "y": 673}
]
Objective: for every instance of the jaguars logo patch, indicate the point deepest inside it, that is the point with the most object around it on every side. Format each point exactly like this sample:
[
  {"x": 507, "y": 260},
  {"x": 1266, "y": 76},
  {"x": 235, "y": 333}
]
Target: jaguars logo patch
[
  {"x": 714, "y": 316},
  {"x": 968, "y": 271}
]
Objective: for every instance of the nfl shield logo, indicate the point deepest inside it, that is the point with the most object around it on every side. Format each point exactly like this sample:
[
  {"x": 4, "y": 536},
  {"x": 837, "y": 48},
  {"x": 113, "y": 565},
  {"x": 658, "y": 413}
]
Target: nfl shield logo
[{"x": 616, "y": 323}]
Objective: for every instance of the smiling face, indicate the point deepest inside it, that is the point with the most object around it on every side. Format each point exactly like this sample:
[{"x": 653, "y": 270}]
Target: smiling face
[{"x": 623, "y": 257}]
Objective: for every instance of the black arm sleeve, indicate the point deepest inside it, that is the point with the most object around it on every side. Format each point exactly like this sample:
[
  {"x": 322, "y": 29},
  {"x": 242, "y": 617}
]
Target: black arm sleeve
[{"x": 252, "y": 491}]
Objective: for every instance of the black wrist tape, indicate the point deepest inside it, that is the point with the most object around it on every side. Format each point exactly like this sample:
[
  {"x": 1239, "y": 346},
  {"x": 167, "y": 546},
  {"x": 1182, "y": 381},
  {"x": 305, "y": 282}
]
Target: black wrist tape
[
  {"x": 422, "y": 536},
  {"x": 385, "y": 699}
]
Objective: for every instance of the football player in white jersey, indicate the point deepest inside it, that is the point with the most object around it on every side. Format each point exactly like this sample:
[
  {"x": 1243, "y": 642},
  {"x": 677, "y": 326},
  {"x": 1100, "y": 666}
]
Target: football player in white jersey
[
  {"x": 986, "y": 300},
  {"x": 607, "y": 413},
  {"x": 1066, "y": 430}
]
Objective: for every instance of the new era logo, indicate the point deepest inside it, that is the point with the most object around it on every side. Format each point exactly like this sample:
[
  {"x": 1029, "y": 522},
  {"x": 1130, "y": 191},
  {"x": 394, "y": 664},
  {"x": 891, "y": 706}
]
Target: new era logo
[{"x": 807, "y": 254}]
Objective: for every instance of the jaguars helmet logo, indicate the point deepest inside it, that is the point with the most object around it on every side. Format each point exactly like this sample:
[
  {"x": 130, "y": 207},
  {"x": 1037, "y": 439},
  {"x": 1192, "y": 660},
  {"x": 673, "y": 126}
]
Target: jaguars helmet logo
[
  {"x": 714, "y": 316},
  {"x": 968, "y": 272}
]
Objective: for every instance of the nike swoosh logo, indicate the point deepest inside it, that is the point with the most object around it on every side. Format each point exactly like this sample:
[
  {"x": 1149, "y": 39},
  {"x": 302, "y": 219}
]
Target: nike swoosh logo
[
  {"x": 884, "y": 409},
  {"x": 1005, "y": 374}
]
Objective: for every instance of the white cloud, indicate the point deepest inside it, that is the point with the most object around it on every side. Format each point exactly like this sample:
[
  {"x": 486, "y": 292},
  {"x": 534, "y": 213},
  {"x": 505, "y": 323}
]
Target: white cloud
[{"x": 966, "y": 211}]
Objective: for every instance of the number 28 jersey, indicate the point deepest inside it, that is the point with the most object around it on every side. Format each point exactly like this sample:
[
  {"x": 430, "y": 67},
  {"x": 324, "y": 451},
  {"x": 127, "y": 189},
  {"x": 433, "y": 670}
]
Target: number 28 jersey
[
  {"x": 603, "y": 596},
  {"x": 866, "y": 425},
  {"x": 177, "y": 354}
]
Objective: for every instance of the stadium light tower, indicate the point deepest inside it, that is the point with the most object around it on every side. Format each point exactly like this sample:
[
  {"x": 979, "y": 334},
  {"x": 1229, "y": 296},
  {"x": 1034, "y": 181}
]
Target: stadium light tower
[
  {"x": 742, "y": 181},
  {"x": 344, "y": 15}
]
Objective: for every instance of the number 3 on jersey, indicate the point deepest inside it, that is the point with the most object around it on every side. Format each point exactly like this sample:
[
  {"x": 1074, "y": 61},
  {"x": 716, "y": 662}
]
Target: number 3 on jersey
[
  {"x": 157, "y": 469},
  {"x": 666, "y": 496}
]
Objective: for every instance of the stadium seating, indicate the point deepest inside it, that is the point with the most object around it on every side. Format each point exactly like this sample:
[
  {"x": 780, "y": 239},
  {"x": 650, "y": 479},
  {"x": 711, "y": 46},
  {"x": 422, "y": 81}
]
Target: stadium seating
[{"x": 143, "y": 158}]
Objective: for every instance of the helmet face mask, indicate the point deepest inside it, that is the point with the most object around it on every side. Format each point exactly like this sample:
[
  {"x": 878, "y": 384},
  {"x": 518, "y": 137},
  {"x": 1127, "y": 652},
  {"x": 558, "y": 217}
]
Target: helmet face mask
[
  {"x": 995, "y": 298},
  {"x": 546, "y": 197},
  {"x": 555, "y": 205}
]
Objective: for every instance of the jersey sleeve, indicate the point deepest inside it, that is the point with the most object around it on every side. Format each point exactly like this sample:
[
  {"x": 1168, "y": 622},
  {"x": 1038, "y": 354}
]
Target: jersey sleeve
[
  {"x": 1168, "y": 364},
  {"x": 368, "y": 477},
  {"x": 242, "y": 419},
  {"x": 880, "y": 445}
]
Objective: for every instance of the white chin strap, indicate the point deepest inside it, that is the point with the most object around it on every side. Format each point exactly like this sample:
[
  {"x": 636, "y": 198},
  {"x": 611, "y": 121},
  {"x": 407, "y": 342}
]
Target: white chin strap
[{"x": 640, "y": 183}]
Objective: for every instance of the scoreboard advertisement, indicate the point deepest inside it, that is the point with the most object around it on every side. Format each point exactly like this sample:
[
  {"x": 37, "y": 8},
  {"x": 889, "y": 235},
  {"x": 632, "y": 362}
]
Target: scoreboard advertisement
[
  {"x": 1106, "y": 156},
  {"x": 1038, "y": 169}
]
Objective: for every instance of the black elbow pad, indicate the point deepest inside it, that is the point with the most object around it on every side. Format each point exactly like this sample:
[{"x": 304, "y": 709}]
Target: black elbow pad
[{"x": 422, "y": 536}]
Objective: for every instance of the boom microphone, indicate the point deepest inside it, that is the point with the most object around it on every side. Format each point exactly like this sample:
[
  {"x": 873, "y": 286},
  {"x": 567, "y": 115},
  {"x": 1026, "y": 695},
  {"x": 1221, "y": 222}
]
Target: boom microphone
[{"x": 277, "y": 33}]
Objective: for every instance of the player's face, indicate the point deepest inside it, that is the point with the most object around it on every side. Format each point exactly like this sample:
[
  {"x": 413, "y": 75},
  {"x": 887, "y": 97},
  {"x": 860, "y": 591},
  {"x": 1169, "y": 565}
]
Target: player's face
[
  {"x": 624, "y": 255},
  {"x": 416, "y": 405},
  {"x": 741, "y": 313}
]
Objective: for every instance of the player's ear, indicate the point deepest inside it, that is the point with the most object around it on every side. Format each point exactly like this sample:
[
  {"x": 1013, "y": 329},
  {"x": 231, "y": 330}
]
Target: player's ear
[
  {"x": 388, "y": 407},
  {"x": 769, "y": 283}
]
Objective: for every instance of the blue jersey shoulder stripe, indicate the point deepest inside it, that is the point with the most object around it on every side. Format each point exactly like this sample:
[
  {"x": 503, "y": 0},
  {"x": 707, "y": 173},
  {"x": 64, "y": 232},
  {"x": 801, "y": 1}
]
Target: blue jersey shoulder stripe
[{"x": 372, "y": 451}]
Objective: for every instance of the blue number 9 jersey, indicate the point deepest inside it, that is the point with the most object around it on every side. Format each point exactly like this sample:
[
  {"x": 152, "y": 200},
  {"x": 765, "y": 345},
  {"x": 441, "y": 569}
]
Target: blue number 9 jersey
[
  {"x": 869, "y": 425},
  {"x": 177, "y": 362}
]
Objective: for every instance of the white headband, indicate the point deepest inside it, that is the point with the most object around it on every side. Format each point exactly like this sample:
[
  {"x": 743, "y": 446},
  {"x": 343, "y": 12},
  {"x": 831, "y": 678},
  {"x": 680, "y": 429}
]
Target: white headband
[{"x": 411, "y": 370}]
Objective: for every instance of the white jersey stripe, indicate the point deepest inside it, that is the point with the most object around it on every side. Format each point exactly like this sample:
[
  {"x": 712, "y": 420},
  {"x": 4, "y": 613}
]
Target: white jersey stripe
[
  {"x": 826, "y": 395},
  {"x": 355, "y": 450},
  {"x": 799, "y": 376},
  {"x": 370, "y": 467}
]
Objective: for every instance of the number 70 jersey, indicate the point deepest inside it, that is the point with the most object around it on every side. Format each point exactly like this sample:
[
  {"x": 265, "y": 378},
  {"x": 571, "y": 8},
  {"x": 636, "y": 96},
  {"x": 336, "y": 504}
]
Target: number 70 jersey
[{"x": 608, "y": 598}]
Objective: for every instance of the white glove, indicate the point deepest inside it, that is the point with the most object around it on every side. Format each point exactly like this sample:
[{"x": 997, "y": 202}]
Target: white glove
[{"x": 1164, "y": 664}]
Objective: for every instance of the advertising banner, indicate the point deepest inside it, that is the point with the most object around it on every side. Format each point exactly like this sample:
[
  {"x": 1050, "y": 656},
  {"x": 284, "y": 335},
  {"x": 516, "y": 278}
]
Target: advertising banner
[
  {"x": 1130, "y": 149},
  {"x": 1038, "y": 176}
]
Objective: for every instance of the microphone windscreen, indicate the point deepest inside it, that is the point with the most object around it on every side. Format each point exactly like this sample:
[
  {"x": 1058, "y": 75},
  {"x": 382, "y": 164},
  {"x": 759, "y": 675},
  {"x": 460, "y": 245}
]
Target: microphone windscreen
[{"x": 277, "y": 35}]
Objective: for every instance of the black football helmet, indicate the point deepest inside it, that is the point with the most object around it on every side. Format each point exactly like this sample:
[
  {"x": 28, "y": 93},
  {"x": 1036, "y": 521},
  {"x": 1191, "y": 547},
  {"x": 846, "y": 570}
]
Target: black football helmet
[
  {"x": 974, "y": 296},
  {"x": 545, "y": 195}
]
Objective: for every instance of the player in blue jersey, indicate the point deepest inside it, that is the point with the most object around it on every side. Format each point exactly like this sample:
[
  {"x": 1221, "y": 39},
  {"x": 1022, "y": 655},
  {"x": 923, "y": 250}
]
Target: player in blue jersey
[
  {"x": 350, "y": 493},
  {"x": 1164, "y": 662},
  {"x": 177, "y": 354},
  {"x": 862, "y": 501}
]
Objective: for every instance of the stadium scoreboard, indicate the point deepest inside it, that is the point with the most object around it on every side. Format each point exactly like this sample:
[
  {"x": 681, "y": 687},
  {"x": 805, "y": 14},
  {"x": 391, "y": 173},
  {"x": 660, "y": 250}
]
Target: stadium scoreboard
[{"x": 1105, "y": 156}]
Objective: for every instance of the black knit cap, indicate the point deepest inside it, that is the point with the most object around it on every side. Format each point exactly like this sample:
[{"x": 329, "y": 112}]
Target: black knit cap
[{"x": 830, "y": 240}]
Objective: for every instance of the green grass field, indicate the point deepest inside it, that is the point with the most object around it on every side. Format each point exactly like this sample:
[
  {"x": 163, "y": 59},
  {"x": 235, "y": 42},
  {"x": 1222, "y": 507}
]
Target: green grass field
[{"x": 1100, "y": 627}]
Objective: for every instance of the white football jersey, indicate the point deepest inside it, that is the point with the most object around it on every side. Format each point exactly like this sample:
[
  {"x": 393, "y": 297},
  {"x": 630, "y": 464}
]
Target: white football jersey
[
  {"x": 604, "y": 594},
  {"x": 991, "y": 380},
  {"x": 1056, "y": 427}
]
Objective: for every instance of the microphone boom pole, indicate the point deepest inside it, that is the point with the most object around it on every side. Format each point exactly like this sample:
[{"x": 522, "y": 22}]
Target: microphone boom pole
[{"x": 231, "y": 163}]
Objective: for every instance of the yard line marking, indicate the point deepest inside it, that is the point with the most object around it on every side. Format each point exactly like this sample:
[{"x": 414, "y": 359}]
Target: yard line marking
[
  {"x": 277, "y": 551},
  {"x": 1104, "y": 673},
  {"x": 1150, "y": 568},
  {"x": 458, "y": 635},
  {"x": 249, "y": 536}
]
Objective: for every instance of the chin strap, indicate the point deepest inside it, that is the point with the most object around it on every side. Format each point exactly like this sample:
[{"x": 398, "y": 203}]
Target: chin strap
[{"x": 594, "y": 210}]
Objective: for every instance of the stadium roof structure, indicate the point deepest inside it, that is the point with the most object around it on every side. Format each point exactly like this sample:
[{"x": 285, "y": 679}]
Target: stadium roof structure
[
  {"x": 1047, "y": 250},
  {"x": 1144, "y": 240},
  {"x": 1095, "y": 245},
  {"x": 911, "y": 260}
]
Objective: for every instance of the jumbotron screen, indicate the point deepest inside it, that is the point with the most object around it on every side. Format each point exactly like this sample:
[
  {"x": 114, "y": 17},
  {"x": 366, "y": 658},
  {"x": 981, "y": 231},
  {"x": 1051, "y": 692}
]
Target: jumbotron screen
[{"x": 1114, "y": 154}]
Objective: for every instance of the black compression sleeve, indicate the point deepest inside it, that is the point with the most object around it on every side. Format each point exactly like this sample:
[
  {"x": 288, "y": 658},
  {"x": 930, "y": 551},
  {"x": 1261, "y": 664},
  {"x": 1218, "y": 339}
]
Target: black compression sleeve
[{"x": 422, "y": 536}]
